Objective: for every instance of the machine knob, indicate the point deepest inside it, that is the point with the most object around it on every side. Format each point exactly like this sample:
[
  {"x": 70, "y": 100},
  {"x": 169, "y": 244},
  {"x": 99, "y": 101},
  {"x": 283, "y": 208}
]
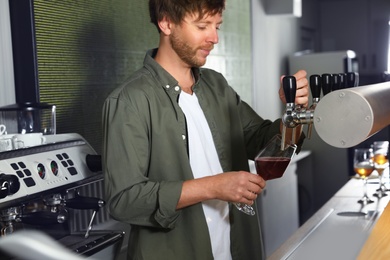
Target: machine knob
[
  {"x": 94, "y": 162},
  {"x": 9, "y": 184}
]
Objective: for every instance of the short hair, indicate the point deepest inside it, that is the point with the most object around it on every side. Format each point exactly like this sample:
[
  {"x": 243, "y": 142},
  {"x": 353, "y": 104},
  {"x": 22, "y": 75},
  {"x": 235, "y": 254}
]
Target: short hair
[{"x": 176, "y": 10}]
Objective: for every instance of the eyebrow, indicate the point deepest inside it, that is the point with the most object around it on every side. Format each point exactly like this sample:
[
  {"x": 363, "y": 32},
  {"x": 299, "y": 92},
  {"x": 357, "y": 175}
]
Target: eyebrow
[{"x": 207, "y": 22}]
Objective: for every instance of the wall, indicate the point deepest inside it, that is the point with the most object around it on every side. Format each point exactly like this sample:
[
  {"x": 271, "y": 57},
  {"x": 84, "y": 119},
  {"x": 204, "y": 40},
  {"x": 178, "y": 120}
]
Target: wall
[
  {"x": 274, "y": 38},
  {"x": 6, "y": 64},
  {"x": 85, "y": 49},
  {"x": 232, "y": 55},
  {"x": 100, "y": 45}
]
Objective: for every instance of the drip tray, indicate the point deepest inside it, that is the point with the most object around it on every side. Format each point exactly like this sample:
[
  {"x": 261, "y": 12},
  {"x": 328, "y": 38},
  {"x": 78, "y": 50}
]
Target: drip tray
[{"x": 100, "y": 244}]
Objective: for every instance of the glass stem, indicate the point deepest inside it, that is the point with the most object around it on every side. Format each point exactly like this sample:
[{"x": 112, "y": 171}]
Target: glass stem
[{"x": 365, "y": 188}]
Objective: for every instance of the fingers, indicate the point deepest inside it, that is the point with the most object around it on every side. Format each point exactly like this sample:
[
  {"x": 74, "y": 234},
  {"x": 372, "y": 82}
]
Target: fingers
[
  {"x": 256, "y": 183},
  {"x": 302, "y": 93},
  {"x": 250, "y": 198},
  {"x": 302, "y": 96},
  {"x": 252, "y": 188},
  {"x": 240, "y": 186},
  {"x": 300, "y": 74}
]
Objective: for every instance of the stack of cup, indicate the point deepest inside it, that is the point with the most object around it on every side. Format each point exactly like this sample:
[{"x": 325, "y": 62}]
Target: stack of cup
[{"x": 16, "y": 141}]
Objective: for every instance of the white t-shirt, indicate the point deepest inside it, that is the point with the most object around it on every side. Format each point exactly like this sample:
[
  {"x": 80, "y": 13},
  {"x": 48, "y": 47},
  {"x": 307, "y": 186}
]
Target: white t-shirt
[{"x": 204, "y": 162}]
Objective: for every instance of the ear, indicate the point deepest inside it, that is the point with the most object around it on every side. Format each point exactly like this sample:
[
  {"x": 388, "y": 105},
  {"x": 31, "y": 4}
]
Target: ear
[{"x": 165, "y": 26}]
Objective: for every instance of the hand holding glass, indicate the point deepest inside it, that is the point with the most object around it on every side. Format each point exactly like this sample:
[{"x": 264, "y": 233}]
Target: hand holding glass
[{"x": 271, "y": 163}]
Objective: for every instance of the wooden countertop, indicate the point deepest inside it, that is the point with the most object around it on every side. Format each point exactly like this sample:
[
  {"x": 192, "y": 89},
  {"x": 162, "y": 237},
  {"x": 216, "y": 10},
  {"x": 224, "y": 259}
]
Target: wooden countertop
[
  {"x": 377, "y": 244},
  {"x": 342, "y": 228}
]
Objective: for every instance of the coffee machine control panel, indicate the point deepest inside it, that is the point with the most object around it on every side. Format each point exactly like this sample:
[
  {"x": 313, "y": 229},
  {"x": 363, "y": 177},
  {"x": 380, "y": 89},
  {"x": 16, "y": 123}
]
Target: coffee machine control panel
[{"x": 60, "y": 162}]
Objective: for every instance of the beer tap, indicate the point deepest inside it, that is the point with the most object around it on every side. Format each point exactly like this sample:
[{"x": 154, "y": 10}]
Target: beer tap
[
  {"x": 326, "y": 83},
  {"x": 336, "y": 82},
  {"x": 352, "y": 79},
  {"x": 315, "y": 87},
  {"x": 289, "y": 117},
  {"x": 343, "y": 80},
  {"x": 333, "y": 82},
  {"x": 295, "y": 115}
]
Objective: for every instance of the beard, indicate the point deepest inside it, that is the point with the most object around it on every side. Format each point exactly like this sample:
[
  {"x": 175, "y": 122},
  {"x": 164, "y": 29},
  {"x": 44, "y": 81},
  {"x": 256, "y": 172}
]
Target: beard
[{"x": 185, "y": 52}]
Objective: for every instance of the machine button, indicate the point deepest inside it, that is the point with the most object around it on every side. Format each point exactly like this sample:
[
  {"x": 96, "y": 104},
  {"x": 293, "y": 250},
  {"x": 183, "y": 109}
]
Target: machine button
[
  {"x": 72, "y": 170},
  {"x": 29, "y": 181},
  {"x": 22, "y": 165},
  {"x": 27, "y": 172},
  {"x": 64, "y": 164},
  {"x": 66, "y": 156},
  {"x": 70, "y": 162},
  {"x": 20, "y": 174},
  {"x": 59, "y": 156},
  {"x": 14, "y": 166}
]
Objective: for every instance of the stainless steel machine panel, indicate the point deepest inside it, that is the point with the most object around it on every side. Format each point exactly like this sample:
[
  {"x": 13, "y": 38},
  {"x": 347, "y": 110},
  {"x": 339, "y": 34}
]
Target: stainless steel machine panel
[
  {"x": 56, "y": 188},
  {"x": 59, "y": 163}
]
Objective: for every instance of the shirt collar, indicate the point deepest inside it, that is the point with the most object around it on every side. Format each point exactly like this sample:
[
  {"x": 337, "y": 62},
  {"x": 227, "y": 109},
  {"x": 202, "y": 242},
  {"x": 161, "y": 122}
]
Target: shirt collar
[{"x": 161, "y": 74}]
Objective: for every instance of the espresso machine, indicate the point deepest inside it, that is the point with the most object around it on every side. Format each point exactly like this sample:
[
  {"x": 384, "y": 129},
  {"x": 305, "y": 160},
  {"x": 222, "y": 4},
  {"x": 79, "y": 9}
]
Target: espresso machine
[{"x": 56, "y": 188}]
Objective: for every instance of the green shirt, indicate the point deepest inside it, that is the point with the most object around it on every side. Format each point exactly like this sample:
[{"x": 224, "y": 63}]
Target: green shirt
[{"x": 145, "y": 162}]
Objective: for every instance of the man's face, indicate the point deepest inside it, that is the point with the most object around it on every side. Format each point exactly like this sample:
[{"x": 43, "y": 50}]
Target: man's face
[{"x": 194, "y": 39}]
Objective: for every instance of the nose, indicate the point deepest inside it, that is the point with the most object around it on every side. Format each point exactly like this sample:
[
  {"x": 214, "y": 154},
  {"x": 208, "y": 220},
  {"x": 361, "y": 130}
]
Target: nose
[{"x": 213, "y": 37}]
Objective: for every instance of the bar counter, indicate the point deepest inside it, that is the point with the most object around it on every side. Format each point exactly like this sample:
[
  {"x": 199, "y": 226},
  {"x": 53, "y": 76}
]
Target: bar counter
[{"x": 343, "y": 228}]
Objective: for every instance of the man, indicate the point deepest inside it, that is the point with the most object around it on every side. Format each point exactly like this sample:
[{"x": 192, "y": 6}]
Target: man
[{"x": 177, "y": 140}]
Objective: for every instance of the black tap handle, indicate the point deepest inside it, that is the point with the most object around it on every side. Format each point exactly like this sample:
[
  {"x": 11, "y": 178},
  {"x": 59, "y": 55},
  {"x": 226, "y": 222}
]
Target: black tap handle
[
  {"x": 315, "y": 85},
  {"x": 336, "y": 82},
  {"x": 352, "y": 79},
  {"x": 289, "y": 88},
  {"x": 326, "y": 83},
  {"x": 94, "y": 162},
  {"x": 343, "y": 80}
]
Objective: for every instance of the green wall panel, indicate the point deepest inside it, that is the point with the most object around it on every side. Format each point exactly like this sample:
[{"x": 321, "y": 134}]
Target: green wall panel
[{"x": 86, "y": 48}]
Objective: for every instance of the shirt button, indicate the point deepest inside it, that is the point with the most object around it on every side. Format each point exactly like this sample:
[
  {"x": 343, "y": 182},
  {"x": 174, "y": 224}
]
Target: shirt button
[
  {"x": 167, "y": 86},
  {"x": 184, "y": 137},
  {"x": 177, "y": 88}
]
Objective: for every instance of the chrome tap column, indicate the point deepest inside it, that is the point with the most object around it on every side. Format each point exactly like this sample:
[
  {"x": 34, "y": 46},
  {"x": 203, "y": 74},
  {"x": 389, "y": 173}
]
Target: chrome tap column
[
  {"x": 347, "y": 117},
  {"x": 342, "y": 112}
]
